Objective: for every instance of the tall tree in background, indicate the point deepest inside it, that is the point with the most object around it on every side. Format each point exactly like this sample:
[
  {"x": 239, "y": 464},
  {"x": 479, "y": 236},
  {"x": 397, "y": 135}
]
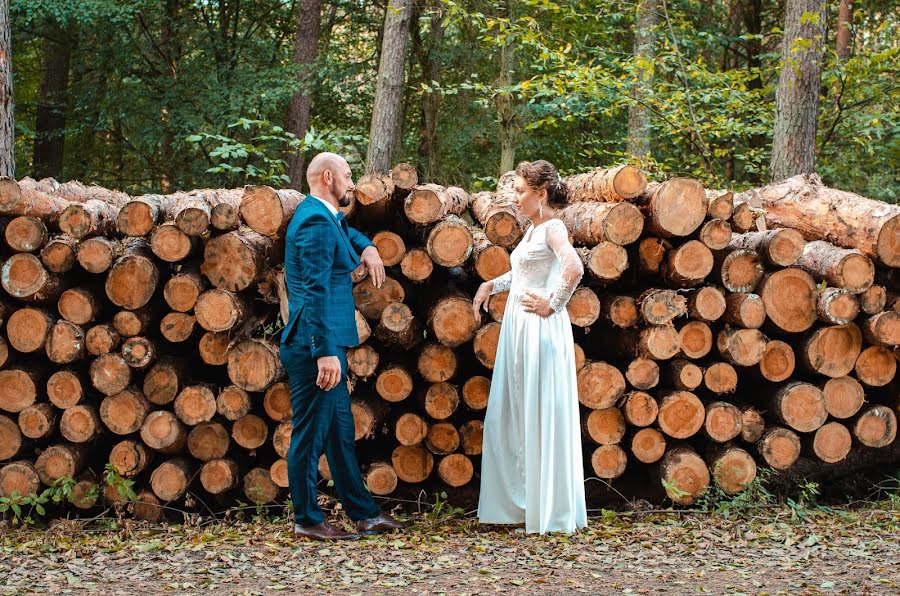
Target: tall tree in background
[
  {"x": 797, "y": 96},
  {"x": 506, "y": 109},
  {"x": 53, "y": 100},
  {"x": 644, "y": 55},
  {"x": 427, "y": 50},
  {"x": 7, "y": 131},
  {"x": 842, "y": 39},
  {"x": 306, "y": 44},
  {"x": 388, "y": 106}
]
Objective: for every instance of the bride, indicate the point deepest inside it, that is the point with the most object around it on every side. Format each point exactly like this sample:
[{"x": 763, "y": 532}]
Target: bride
[{"x": 531, "y": 467}]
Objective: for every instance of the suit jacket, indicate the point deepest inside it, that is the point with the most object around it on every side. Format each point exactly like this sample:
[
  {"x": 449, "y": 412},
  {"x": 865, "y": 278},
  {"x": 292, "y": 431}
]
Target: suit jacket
[{"x": 320, "y": 255}]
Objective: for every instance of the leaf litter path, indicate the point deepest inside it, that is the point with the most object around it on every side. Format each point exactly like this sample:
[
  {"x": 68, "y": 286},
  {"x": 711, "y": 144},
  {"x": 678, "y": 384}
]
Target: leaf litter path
[{"x": 837, "y": 551}]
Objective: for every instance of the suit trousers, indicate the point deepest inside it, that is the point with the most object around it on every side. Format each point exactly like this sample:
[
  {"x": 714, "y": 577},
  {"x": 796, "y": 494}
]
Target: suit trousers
[{"x": 322, "y": 422}]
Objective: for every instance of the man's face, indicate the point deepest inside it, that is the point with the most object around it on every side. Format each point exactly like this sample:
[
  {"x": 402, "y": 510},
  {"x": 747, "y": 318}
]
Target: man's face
[{"x": 342, "y": 184}]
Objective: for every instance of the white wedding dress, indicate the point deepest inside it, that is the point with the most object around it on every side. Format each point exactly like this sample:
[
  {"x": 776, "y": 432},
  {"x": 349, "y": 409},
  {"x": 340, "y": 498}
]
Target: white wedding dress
[{"x": 531, "y": 465}]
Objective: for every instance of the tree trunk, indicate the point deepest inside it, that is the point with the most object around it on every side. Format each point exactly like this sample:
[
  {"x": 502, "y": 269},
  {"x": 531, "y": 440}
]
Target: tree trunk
[
  {"x": 506, "y": 110},
  {"x": 306, "y": 43},
  {"x": 386, "y": 109},
  {"x": 53, "y": 98},
  {"x": 430, "y": 64},
  {"x": 7, "y": 128},
  {"x": 639, "y": 124},
  {"x": 843, "y": 37},
  {"x": 797, "y": 95}
]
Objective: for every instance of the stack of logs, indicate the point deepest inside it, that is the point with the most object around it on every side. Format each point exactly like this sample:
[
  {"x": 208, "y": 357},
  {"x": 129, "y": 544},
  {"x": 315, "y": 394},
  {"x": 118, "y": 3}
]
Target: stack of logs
[{"x": 715, "y": 332}]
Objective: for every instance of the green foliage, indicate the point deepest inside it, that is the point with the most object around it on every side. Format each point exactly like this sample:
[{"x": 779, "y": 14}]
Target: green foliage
[
  {"x": 124, "y": 486},
  {"x": 442, "y": 509}
]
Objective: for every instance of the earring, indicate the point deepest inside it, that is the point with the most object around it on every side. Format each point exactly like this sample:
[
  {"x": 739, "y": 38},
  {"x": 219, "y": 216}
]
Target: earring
[{"x": 541, "y": 210}]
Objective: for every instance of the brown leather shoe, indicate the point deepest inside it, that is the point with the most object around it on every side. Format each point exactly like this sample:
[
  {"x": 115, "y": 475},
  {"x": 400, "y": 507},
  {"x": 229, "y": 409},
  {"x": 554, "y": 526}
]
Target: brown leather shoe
[
  {"x": 376, "y": 525},
  {"x": 322, "y": 531}
]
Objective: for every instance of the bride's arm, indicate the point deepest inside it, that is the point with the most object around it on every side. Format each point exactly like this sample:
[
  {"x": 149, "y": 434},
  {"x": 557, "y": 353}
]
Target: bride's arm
[
  {"x": 501, "y": 283},
  {"x": 570, "y": 265}
]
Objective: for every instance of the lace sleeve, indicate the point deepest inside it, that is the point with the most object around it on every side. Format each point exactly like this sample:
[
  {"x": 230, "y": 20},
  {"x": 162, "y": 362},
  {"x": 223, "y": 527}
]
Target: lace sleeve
[
  {"x": 502, "y": 283},
  {"x": 571, "y": 269}
]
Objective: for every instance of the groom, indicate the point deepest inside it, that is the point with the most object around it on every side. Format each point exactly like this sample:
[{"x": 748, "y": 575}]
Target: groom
[{"x": 321, "y": 252}]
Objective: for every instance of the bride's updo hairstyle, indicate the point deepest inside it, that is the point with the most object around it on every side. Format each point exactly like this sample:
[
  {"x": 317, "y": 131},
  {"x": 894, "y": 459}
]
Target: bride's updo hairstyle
[{"x": 541, "y": 174}]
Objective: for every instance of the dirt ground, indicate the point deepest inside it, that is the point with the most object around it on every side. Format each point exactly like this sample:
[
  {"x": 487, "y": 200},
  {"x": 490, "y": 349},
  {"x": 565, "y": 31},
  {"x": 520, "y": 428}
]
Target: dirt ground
[{"x": 769, "y": 551}]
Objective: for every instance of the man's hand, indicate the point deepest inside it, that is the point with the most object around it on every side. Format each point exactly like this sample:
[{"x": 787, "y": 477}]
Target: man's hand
[
  {"x": 371, "y": 260},
  {"x": 329, "y": 372},
  {"x": 481, "y": 299}
]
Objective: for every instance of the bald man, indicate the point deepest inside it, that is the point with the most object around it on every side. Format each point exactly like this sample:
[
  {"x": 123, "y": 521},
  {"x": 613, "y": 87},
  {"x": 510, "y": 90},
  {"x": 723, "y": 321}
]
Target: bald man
[{"x": 321, "y": 251}]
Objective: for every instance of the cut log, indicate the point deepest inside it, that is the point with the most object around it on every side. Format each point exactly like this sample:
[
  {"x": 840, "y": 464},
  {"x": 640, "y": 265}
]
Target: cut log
[
  {"x": 471, "y": 435},
  {"x": 277, "y": 402},
  {"x": 85, "y": 492},
  {"x": 801, "y": 406},
  {"x": 362, "y": 361},
  {"x": 882, "y": 329},
  {"x": 101, "y": 339},
  {"x": 147, "y": 507},
  {"x": 779, "y": 447},
  {"x": 412, "y": 463},
  {"x": 404, "y": 176},
  {"x": 124, "y": 413},
  {"x": 416, "y": 265},
  {"x": 688, "y": 265},
  {"x": 752, "y": 424},
  {"x": 450, "y": 242},
  {"x": 642, "y": 373},
  {"x": 140, "y": 215},
  {"x": 281, "y": 438},
  {"x": 695, "y": 339},
  {"x": 489, "y": 260},
  {"x": 842, "y": 218},
  {"x": 876, "y": 366},
  {"x": 80, "y": 424},
  {"x": 452, "y": 320},
  {"x": 171, "y": 479},
  {"x": 380, "y": 478},
  {"x": 583, "y": 307},
  {"x": 658, "y": 342},
  {"x": 651, "y": 253},
  {"x": 164, "y": 432},
  {"x": 235, "y": 260},
  {"x": 429, "y": 203},
  {"x": 592, "y": 223},
  {"x": 873, "y": 300},
  {"x": 372, "y": 301},
  {"x": 442, "y": 438},
  {"x": 475, "y": 393},
  {"x": 59, "y": 461},
  {"x": 621, "y": 183},
  {"x": 38, "y": 421},
  {"x": 659, "y": 307},
  {"x": 685, "y": 375},
  {"x": 59, "y": 254},
  {"x": 64, "y": 389},
  {"x": 138, "y": 352},
  {"x": 195, "y": 404},
  {"x": 723, "y": 421},
  {"x": 648, "y": 445},
  {"x": 191, "y": 213},
  {"x": 779, "y": 247},
  {"x": 25, "y": 234},
  {"x": 208, "y": 441},
  {"x": 170, "y": 243},
  {"x": 410, "y": 429},
  {"x": 715, "y": 234},
  {"x": 79, "y": 305},
  {"x": 4, "y": 353},
  {"x": 24, "y": 198},
  {"x": 254, "y": 364},
  {"x": 721, "y": 204},
  {"x": 732, "y": 469},
  {"x": 250, "y": 432},
  {"x": 844, "y": 397},
  {"x": 368, "y": 416},
  {"x": 219, "y": 310},
  {"x": 441, "y": 400},
  {"x": 740, "y": 269},
  {"x": 391, "y": 247},
  {"x": 681, "y": 414},
  {"x": 600, "y": 385},
  {"x": 639, "y": 408},
  {"x": 677, "y": 207},
  {"x": 684, "y": 475},
  {"x": 746, "y": 218},
  {"x": 214, "y": 348},
  {"x": 219, "y": 476},
  {"x": 233, "y": 403},
  {"x": 96, "y": 255},
  {"x": 399, "y": 327},
  {"x": 19, "y": 477},
  {"x": 743, "y": 347},
  {"x": 91, "y": 218},
  {"x": 10, "y": 438},
  {"x": 706, "y": 304},
  {"x": 178, "y": 327},
  {"x": 832, "y": 351},
  {"x": 497, "y": 306},
  {"x": 182, "y": 290},
  {"x": 132, "y": 279},
  {"x": 621, "y": 311},
  {"x": 831, "y": 443},
  {"x": 28, "y": 329},
  {"x": 19, "y": 387},
  {"x": 604, "y": 263},
  {"x": 225, "y": 205},
  {"x": 129, "y": 458},
  {"x": 836, "y": 306},
  {"x": 24, "y": 277},
  {"x": 841, "y": 267},
  {"x": 745, "y": 310},
  {"x": 778, "y": 361},
  {"x": 609, "y": 461},
  {"x": 129, "y": 323},
  {"x": 789, "y": 296},
  {"x": 876, "y": 426},
  {"x": 268, "y": 211},
  {"x": 605, "y": 426},
  {"x": 455, "y": 470},
  {"x": 110, "y": 374},
  {"x": 394, "y": 384},
  {"x": 720, "y": 378}
]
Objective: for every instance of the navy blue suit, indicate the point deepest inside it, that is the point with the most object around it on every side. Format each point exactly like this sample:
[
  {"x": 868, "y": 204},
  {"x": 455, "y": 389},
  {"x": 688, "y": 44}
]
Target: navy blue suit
[{"x": 320, "y": 254}]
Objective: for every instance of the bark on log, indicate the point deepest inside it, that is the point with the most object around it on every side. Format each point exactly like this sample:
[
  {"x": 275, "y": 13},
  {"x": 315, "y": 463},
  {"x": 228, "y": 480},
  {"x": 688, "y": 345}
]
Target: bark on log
[
  {"x": 841, "y": 267},
  {"x": 429, "y": 203},
  {"x": 268, "y": 211},
  {"x": 399, "y": 326},
  {"x": 832, "y": 351},
  {"x": 876, "y": 427},
  {"x": 621, "y": 183},
  {"x": 132, "y": 279},
  {"x": 836, "y": 306},
  {"x": 592, "y": 223},
  {"x": 235, "y": 260},
  {"x": 740, "y": 269},
  {"x": 59, "y": 254},
  {"x": 677, "y": 207},
  {"x": 882, "y": 329},
  {"x": 25, "y": 234},
  {"x": 502, "y": 224},
  {"x": 779, "y": 247},
  {"x": 141, "y": 214},
  {"x": 23, "y": 276}
]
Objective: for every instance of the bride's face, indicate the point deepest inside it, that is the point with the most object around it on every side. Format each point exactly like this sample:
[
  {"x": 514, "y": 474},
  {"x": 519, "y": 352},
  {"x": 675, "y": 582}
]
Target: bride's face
[{"x": 528, "y": 199}]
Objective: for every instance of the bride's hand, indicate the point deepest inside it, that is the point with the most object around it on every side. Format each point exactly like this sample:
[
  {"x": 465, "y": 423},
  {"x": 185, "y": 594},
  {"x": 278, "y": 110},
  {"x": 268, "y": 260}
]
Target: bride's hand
[
  {"x": 481, "y": 299},
  {"x": 537, "y": 304}
]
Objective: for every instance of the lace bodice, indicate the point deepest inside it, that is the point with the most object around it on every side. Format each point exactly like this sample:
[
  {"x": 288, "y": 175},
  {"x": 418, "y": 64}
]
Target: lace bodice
[{"x": 544, "y": 260}]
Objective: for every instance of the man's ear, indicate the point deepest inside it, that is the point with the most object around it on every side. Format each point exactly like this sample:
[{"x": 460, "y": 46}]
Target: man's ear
[{"x": 327, "y": 177}]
